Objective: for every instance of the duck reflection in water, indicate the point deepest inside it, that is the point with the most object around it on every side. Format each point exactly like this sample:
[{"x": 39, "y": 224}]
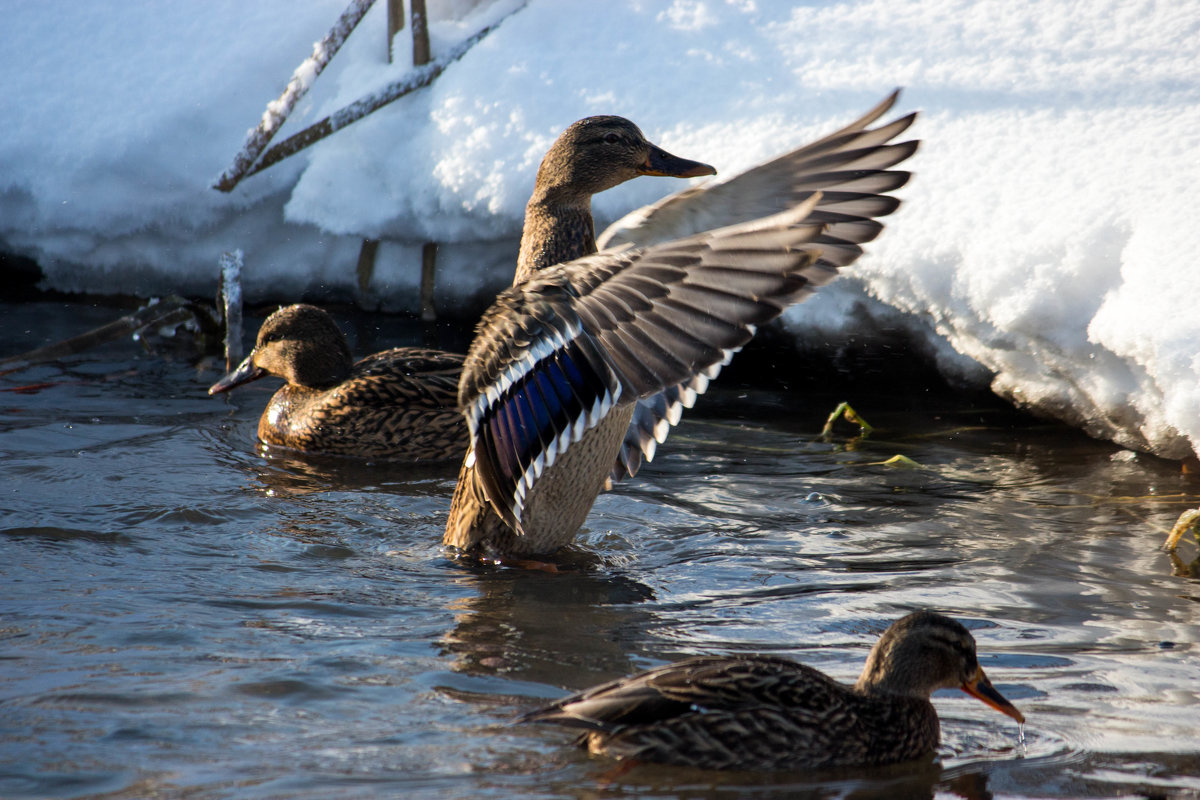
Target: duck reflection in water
[
  {"x": 287, "y": 473},
  {"x": 597, "y": 622}
]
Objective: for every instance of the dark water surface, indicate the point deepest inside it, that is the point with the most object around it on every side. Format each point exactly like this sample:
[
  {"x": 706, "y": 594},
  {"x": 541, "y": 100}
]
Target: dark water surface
[{"x": 183, "y": 617}]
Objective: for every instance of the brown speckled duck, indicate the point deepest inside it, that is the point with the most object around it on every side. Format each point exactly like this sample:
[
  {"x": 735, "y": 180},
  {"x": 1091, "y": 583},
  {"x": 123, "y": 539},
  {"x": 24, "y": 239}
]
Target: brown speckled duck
[
  {"x": 770, "y": 713},
  {"x": 580, "y": 369},
  {"x": 398, "y": 405}
]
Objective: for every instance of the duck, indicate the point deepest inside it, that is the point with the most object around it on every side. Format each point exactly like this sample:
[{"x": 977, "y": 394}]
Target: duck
[
  {"x": 769, "y": 713},
  {"x": 395, "y": 405},
  {"x": 580, "y": 369}
]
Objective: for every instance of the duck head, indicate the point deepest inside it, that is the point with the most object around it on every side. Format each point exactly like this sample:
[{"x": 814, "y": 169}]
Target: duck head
[
  {"x": 301, "y": 344},
  {"x": 598, "y": 153},
  {"x": 923, "y": 652}
]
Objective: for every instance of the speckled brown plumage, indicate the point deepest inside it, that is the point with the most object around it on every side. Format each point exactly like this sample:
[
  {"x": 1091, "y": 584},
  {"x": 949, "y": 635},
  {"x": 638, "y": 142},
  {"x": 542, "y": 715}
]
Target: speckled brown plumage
[
  {"x": 769, "y": 713},
  {"x": 397, "y": 405}
]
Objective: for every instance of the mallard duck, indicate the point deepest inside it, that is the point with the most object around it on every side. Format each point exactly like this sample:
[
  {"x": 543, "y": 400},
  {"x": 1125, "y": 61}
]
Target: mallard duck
[
  {"x": 399, "y": 404},
  {"x": 579, "y": 370},
  {"x": 769, "y": 713}
]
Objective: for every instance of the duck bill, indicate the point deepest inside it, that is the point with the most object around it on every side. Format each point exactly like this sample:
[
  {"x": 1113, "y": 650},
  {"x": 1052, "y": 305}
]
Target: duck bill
[
  {"x": 245, "y": 372},
  {"x": 660, "y": 162},
  {"x": 979, "y": 687}
]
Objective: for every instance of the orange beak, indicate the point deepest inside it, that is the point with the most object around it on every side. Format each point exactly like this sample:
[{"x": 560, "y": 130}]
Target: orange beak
[
  {"x": 978, "y": 686},
  {"x": 660, "y": 162}
]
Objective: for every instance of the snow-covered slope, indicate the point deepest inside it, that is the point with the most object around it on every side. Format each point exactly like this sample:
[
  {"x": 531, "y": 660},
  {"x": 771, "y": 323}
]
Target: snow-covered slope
[{"x": 1049, "y": 235}]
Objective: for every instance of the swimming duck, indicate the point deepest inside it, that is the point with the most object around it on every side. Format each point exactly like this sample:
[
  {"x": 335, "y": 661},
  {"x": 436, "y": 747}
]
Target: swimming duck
[
  {"x": 581, "y": 368},
  {"x": 752, "y": 712},
  {"x": 399, "y": 404}
]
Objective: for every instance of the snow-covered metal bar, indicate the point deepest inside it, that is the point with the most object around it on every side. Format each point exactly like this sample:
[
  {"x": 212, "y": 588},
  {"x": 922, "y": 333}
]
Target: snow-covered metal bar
[
  {"x": 302, "y": 79},
  {"x": 419, "y": 78}
]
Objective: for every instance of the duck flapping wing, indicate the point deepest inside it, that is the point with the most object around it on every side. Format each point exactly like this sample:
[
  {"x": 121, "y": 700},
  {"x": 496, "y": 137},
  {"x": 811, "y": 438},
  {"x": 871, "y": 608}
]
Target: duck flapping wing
[{"x": 556, "y": 354}]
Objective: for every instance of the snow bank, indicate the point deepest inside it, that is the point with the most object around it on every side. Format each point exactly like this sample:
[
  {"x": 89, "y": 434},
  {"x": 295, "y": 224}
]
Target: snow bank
[{"x": 1048, "y": 237}]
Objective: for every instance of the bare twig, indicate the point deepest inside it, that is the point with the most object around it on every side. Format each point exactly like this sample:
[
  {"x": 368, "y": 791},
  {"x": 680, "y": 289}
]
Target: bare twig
[
  {"x": 395, "y": 15},
  {"x": 428, "y": 266},
  {"x": 278, "y": 110},
  {"x": 366, "y": 264},
  {"x": 169, "y": 311}
]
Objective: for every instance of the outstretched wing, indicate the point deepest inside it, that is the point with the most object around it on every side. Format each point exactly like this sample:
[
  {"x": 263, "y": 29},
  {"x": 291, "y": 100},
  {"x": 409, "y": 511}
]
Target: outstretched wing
[
  {"x": 555, "y": 355},
  {"x": 850, "y": 167},
  {"x": 849, "y": 162}
]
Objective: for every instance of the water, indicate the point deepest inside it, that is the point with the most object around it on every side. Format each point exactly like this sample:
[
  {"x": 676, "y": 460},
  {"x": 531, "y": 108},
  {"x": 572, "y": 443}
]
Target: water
[{"x": 182, "y": 616}]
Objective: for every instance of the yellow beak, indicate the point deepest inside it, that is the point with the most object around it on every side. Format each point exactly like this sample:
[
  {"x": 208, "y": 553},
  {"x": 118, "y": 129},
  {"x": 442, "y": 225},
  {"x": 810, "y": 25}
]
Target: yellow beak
[{"x": 980, "y": 687}]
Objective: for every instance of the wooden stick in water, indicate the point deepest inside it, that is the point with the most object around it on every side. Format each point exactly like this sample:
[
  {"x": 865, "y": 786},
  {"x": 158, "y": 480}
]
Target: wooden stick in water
[{"x": 167, "y": 311}]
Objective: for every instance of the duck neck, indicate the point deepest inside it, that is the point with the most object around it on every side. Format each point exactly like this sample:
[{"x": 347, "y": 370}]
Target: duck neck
[
  {"x": 557, "y": 229},
  {"x": 321, "y": 369},
  {"x": 885, "y": 686},
  {"x": 888, "y": 671}
]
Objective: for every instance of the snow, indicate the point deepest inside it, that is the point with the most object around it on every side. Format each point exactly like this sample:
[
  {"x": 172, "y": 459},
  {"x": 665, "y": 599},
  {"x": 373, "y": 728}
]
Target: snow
[{"x": 1046, "y": 243}]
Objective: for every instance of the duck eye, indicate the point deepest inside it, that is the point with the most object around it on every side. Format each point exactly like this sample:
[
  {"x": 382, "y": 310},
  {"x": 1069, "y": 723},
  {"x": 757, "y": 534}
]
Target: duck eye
[{"x": 611, "y": 138}]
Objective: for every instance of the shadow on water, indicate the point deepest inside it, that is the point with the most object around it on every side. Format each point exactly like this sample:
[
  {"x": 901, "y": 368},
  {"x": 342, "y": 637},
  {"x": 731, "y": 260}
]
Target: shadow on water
[{"x": 186, "y": 615}]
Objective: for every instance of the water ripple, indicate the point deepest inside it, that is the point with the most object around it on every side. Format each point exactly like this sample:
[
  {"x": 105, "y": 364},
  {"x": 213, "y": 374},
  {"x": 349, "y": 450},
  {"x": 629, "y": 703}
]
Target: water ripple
[{"x": 220, "y": 621}]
